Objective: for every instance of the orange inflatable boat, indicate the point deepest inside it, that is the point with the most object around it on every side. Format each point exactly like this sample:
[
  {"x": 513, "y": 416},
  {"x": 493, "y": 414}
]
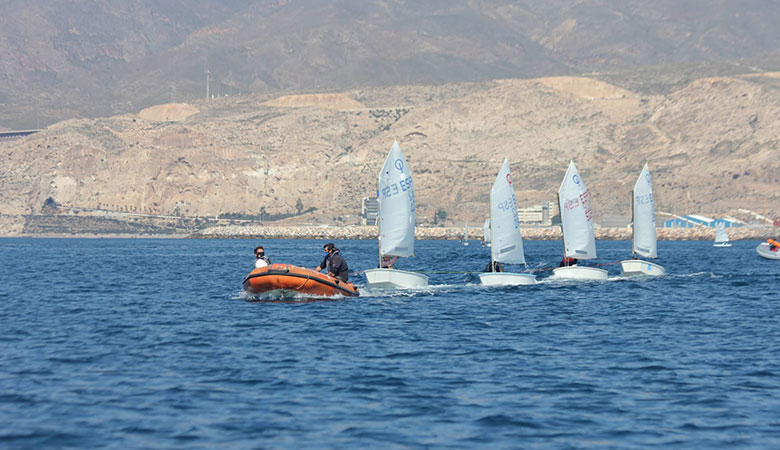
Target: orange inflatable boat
[{"x": 278, "y": 280}]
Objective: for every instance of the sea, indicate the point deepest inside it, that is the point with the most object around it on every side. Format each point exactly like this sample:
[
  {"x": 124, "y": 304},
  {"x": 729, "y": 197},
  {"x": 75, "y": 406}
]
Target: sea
[{"x": 151, "y": 343}]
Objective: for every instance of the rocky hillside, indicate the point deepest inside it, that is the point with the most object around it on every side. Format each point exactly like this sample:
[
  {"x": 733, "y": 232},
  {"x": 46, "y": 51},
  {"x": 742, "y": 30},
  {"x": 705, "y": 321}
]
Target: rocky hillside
[
  {"x": 712, "y": 146},
  {"x": 78, "y": 58}
]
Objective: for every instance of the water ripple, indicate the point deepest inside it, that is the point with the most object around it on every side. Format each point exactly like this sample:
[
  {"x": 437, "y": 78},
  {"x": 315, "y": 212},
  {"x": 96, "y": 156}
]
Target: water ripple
[{"x": 168, "y": 353}]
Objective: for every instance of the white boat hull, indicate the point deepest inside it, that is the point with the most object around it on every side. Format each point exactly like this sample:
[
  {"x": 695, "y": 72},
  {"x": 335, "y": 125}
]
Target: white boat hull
[
  {"x": 506, "y": 278},
  {"x": 764, "y": 251},
  {"x": 580, "y": 273},
  {"x": 722, "y": 244},
  {"x": 639, "y": 267},
  {"x": 395, "y": 279}
]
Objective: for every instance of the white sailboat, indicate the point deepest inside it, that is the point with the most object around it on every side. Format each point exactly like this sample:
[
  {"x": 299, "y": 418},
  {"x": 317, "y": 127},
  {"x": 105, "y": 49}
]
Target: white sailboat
[
  {"x": 579, "y": 240},
  {"x": 721, "y": 236},
  {"x": 396, "y": 223},
  {"x": 486, "y": 233},
  {"x": 644, "y": 241},
  {"x": 507, "y": 241},
  {"x": 465, "y": 240}
]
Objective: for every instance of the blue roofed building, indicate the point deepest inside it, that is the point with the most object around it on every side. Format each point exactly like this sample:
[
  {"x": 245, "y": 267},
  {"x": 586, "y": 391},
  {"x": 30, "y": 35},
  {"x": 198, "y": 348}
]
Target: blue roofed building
[{"x": 696, "y": 221}]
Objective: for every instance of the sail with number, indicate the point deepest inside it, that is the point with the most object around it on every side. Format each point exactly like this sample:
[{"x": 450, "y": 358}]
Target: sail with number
[
  {"x": 645, "y": 241},
  {"x": 507, "y": 242},
  {"x": 396, "y": 205},
  {"x": 576, "y": 216}
]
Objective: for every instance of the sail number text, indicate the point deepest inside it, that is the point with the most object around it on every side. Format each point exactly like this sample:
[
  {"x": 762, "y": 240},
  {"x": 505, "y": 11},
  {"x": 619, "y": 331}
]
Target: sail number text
[
  {"x": 393, "y": 189},
  {"x": 510, "y": 205},
  {"x": 643, "y": 199},
  {"x": 584, "y": 201}
]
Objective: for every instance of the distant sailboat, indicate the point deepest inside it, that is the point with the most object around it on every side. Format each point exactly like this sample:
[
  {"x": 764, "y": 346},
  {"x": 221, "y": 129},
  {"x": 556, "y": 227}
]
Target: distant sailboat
[
  {"x": 486, "y": 233},
  {"x": 579, "y": 240},
  {"x": 396, "y": 223},
  {"x": 507, "y": 241},
  {"x": 644, "y": 241},
  {"x": 465, "y": 240},
  {"x": 721, "y": 236}
]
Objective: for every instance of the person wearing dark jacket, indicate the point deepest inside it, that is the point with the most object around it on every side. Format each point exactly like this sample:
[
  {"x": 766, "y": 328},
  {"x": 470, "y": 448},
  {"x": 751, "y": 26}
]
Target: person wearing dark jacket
[
  {"x": 494, "y": 266},
  {"x": 334, "y": 263}
]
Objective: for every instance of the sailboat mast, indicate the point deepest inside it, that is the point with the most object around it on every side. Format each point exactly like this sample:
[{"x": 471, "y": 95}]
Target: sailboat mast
[
  {"x": 560, "y": 216},
  {"x": 633, "y": 226},
  {"x": 492, "y": 247},
  {"x": 379, "y": 230}
]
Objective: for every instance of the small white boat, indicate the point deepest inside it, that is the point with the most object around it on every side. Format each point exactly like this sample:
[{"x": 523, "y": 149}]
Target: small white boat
[
  {"x": 764, "y": 250},
  {"x": 396, "y": 223},
  {"x": 394, "y": 279},
  {"x": 644, "y": 239},
  {"x": 721, "y": 236},
  {"x": 579, "y": 240},
  {"x": 486, "y": 233},
  {"x": 507, "y": 245},
  {"x": 465, "y": 240}
]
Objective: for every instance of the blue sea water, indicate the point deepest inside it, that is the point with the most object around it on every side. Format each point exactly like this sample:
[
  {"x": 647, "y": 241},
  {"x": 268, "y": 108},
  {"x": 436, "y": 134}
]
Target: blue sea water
[{"x": 151, "y": 344}]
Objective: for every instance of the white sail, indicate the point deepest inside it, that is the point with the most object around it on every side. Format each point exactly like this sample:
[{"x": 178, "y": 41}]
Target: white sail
[
  {"x": 720, "y": 233},
  {"x": 645, "y": 240},
  {"x": 396, "y": 205},
  {"x": 576, "y": 216},
  {"x": 505, "y": 225},
  {"x": 486, "y": 231}
]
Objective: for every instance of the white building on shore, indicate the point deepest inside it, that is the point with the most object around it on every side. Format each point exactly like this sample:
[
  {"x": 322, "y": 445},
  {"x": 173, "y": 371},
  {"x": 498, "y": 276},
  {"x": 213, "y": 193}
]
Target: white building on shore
[{"x": 540, "y": 214}]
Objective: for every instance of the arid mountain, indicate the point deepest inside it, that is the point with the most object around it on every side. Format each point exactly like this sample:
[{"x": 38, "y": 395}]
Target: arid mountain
[
  {"x": 712, "y": 146},
  {"x": 67, "y": 59}
]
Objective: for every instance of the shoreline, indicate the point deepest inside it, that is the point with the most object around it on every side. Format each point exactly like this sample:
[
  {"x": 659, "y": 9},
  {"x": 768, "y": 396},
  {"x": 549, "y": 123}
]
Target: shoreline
[
  {"x": 449, "y": 233},
  {"x": 421, "y": 233}
]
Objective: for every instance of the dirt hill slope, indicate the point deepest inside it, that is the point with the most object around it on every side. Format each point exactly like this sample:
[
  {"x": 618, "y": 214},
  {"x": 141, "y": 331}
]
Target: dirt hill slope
[{"x": 712, "y": 147}]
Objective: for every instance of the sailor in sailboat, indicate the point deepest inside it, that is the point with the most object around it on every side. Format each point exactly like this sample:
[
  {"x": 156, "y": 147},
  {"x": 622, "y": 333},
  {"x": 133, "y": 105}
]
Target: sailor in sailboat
[
  {"x": 494, "y": 266},
  {"x": 579, "y": 240},
  {"x": 388, "y": 262},
  {"x": 395, "y": 193},
  {"x": 504, "y": 230},
  {"x": 644, "y": 242},
  {"x": 568, "y": 261}
]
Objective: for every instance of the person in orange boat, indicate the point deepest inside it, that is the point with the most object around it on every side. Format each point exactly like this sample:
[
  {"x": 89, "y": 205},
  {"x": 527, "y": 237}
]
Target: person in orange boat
[
  {"x": 260, "y": 259},
  {"x": 774, "y": 245},
  {"x": 334, "y": 262}
]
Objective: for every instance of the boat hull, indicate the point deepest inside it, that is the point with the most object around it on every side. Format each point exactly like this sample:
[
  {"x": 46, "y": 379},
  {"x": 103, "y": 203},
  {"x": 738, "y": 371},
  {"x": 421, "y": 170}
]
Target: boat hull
[
  {"x": 639, "y": 267},
  {"x": 395, "y": 279},
  {"x": 280, "y": 279},
  {"x": 764, "y": 252},
  {"x": 580, "y": 273},
  {"x": 506, "y": 279},
  {"x": 722, "y": 244}
]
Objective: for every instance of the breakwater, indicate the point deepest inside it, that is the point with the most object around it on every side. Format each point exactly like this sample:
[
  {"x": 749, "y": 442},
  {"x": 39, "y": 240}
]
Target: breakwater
[{"x": 444, "y": 233}]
